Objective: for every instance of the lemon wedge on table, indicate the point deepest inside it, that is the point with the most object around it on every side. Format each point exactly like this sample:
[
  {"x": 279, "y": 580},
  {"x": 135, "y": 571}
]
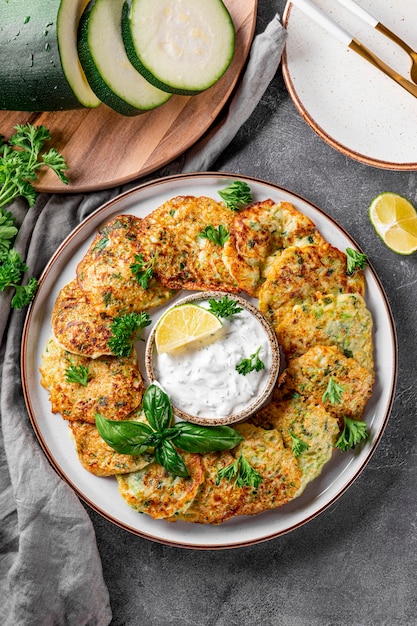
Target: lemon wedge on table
[
  {"x": 395, "y": 221},
  {"x": 182, "y": 325}
]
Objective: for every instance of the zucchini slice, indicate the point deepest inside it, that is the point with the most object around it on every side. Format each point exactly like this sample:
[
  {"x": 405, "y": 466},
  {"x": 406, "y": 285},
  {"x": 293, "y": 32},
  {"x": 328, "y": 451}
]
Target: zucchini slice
[
  {"x": 180, "y": 46},
  {"x": 103, "y": 57},
  {"x": 39, "y": 65},
  {"x": 69, "y": 16}
]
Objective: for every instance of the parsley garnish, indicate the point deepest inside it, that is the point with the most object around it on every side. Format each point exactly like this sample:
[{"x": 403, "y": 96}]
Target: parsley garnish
[
  {"x": 252, "y": 363},
  {"x": 142, "y": 270},
  {"x": 20, "y": 160},
  {"x": 18, "y": 168},
  {"x": 242, "y": 472},
  {"x": 355, "y": 260},
  {"x": 333, "y": 392},
  {"x": 217, "y": 235},
  {"x": 12, "y": 269},
  {"x": 225, "y": 307},
  {"x": 125, "y": 330},
  {"x": 236, "y": 195},
  {"x": 298, "y": 445},
  {"x": 8, "y": 231},
  {"x": 353, "y": 432},
  {"x": 77, "y": 374}
]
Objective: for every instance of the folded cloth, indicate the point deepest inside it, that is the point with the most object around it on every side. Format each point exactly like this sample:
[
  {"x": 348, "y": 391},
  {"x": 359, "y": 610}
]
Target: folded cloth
[{"x": 50, "y": 567}]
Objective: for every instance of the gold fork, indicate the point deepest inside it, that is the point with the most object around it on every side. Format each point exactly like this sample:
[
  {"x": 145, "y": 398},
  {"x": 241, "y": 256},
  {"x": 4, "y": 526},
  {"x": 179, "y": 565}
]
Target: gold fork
[
  {"x": 312, "y": 11},
  {"x": 360, "y": 12}
]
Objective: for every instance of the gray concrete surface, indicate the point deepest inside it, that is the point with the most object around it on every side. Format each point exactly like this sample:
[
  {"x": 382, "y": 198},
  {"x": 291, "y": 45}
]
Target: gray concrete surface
[{"x": 355, "y": 564}]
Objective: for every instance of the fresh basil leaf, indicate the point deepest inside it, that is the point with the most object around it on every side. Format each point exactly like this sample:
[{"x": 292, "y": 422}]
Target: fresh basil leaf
[
  {"x": 125, "y": 437},
  {"x": 167, "y": 456},
  {"x": 195, "y": 438},
  {"x": 157, "y": 407}
]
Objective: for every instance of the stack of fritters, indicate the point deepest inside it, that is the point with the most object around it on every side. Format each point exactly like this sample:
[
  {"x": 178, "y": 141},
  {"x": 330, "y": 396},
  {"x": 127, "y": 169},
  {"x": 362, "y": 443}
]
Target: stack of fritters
[
  {"x": 268, "y": 250},
  {"x": 105, "y": 288},
  {"x": 259, "y": 234}
]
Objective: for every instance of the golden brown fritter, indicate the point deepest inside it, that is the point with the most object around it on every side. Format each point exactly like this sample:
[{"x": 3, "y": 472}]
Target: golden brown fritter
[
  {"x": 281, "y": 476},
  {"x": 99, "y": 458},
  {"x": 300, "y": 274},
  {"x": 342, "y": 320},
  {"x": 183, "y": 259},
  {"x": 114, "y": 388},
  {"x": 214, "y": 503},
  {"x": 76, "y": 325},
  {"x": 105, "y": 273},
  {"x": 258, "y": 234},
  {"x": 311, "y": 424},
  {"x": 160, "y": 494},
  {"x": 310, "y": 374}
]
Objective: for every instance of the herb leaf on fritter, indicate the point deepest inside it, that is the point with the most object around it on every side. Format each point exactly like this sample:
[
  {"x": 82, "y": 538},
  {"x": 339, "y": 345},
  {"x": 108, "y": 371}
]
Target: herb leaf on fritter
[
  {"x": 125, "y": 331},
  {"x": 354, "y": 431}
]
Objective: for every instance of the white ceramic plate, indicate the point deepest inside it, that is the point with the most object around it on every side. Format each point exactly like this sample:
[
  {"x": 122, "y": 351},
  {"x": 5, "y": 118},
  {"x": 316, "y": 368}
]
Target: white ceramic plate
[
  {"x": 348, "y": 102},
  {"x": 102, "y": 493}
]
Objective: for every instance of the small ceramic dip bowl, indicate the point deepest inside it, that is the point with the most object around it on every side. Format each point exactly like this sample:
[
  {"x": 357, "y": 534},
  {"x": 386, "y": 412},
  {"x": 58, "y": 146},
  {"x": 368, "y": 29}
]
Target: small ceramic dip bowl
[{"x": 224, "y": 378}]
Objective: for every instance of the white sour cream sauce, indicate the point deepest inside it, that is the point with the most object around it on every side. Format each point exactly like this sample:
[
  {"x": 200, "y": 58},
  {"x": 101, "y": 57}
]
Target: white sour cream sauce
[{"x": 201, "y": 379}]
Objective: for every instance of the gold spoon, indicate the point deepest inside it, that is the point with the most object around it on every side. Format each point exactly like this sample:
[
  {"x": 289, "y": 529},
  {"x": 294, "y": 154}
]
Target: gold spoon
[{"x": 372, "y": 21}]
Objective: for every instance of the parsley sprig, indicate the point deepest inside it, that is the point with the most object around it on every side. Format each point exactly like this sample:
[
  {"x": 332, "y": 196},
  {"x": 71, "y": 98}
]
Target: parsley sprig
[
  {"x": 353, "y": 432},
  {"x": 21, "y": 158},
  {"x": 20, "y": 161},
  {"x": 224, "y": 307},
  {"x": 355, "y": 260},
  {"x": 77, "y": 374},
  {"x": 236, "y": 195},
  {"x": 217, "y": 235},
  {"x": 297, "y": 445},
  {"x": 125, "y": 331},
  {"x": 12, "y": 269},
  {"x": 252, "y": 363},
  {"x": 333, "y": 392},
  {"x": 8, "y": 231},
  {"x": 242, "y": 472},
  {"x": 142, "y": 270}
]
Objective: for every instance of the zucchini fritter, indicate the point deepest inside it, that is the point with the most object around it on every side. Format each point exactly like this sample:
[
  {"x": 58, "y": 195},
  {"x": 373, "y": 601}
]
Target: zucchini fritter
[
  {"x": 342, "y": 320},
  {"x": 114, "y": 388},
  {"x": 76, "y": 325},
  {"x": 160, "y": 494},
  {"x": 183, "y": 259},
  {"x": 214, "y": 503},
  {"x": 309, "y": 422},
  {"x": 300, "y": 274},
  {"x": 105, "y": 273},
  {"x": 258, "y": 234},
  {"x": 281, "y": 476},
  {"x": 309, "y": 375},
  {"x": 98, "y": 458}
]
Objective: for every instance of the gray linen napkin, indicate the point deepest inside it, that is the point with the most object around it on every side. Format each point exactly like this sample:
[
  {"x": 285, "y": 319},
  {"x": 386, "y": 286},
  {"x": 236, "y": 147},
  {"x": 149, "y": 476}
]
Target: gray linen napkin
[{"x": 50, "y": 568}]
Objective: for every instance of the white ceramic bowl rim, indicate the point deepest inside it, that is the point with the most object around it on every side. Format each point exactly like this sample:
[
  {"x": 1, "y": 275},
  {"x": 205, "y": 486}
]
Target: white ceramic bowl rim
[{"x": 261, "y": 399}]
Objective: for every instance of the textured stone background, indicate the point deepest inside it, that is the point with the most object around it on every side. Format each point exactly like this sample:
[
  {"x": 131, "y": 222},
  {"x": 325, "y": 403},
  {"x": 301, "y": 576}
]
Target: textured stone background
[{"x": 354, "y": 564}]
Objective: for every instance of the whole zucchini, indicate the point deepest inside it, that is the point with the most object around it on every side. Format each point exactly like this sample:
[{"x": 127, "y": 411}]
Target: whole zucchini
[{"x": 39, "y": 66}]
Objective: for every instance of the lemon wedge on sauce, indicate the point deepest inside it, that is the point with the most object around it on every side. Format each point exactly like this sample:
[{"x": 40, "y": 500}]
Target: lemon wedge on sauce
[
  {"x": 395, "y": 221},
  {"x": 182, "y": 325}
]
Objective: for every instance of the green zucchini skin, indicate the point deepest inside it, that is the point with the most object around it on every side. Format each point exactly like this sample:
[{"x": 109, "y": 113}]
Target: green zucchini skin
[
  {"x": 132, "y": 35},
  {"x": 31, "y": 73},
  {"x": 105, "y": 63}
]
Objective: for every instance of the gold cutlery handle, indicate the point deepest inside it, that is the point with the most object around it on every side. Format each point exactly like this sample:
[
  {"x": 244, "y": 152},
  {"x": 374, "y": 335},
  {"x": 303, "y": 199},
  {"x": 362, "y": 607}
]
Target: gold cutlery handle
[
  {"x": 395, "y": 38},
  {"x": 369, "y": 56}
]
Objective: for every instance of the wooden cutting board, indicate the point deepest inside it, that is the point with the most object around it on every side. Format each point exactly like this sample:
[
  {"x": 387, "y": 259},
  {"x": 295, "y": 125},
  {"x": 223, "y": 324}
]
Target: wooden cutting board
[{"x": 104, "y": 149}]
